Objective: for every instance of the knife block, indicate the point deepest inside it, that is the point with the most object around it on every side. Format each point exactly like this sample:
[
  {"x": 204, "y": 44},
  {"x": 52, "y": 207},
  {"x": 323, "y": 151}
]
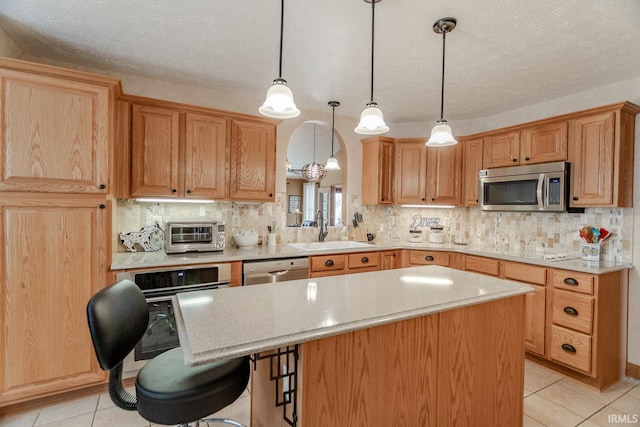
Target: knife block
[{"x": 358, "y": 234}]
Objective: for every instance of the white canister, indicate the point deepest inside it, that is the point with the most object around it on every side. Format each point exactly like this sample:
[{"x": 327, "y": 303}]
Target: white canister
[
  {"x": 415, "y": 236},
  {"x": 436, "y": 235}
]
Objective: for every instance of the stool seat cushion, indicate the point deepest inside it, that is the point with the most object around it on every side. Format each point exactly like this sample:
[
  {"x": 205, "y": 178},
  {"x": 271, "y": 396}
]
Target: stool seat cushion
[{"x": 171, "y": 393}]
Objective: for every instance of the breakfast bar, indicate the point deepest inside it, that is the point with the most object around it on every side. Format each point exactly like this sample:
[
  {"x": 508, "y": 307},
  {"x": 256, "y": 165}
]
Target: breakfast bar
[{"x": 414, "y": 346}]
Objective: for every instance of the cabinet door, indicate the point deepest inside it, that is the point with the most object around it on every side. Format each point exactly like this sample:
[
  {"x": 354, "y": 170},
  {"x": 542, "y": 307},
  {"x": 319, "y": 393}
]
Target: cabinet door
[
  {"x": 377, "y": 170},
  {"x": 53, "y": 259},
  {"x": 252, "y": 161},
  {"x": 535, "y": 320},
  {"x": 502, "y": 150},
  {"x": 389, "y": 260},
  {"x": 444, "y": 175},
  {"x": 55, "y": 134},
  {"x": 545, "y": 143},
  {"x": 411, "y": 164},
  {"x": 155, "y": 152},
  {"x": 591, "y": 150},
  {"x": 205, "y": 168},
  {"x": 472, "y": 165}
]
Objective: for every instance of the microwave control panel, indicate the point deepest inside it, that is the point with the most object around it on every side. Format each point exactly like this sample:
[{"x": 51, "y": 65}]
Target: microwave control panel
[{"x": 554, "y": 192}]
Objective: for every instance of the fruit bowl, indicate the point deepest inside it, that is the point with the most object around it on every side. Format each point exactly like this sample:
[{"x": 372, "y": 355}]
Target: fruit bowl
[{"x": 245, "y": 239}]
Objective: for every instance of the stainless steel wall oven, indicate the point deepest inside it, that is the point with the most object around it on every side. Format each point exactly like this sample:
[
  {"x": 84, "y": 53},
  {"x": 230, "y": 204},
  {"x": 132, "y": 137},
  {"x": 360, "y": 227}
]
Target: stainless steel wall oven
[{"x": 158, "y": 286}]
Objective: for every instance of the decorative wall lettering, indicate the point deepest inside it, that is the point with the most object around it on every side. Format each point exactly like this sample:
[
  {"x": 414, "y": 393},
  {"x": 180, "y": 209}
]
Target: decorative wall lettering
[{"x": 424, "y": 221}]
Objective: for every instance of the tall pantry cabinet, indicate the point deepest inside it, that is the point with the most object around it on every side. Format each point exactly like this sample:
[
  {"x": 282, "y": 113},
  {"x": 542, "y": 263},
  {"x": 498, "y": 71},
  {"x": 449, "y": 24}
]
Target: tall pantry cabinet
[{"x": 56, "y": 134}]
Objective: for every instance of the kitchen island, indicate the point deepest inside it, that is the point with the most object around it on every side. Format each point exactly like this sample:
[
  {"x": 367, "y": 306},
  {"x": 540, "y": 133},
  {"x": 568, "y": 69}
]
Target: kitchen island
[{"x": 419, "y": 346}]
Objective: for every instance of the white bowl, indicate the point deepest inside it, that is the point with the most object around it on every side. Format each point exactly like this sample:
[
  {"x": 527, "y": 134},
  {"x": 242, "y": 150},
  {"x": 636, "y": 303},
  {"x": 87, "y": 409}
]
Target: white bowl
[{"x": 245, "y": 240}]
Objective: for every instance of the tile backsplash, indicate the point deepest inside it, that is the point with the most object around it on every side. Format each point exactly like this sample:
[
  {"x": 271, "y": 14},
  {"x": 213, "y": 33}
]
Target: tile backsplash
[{"x": 503, "y": 231}]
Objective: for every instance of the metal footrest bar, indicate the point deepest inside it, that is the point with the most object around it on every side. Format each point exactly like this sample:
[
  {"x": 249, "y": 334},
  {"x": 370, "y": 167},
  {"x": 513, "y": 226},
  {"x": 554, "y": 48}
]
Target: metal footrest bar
[{"x": 283, "y": 370}]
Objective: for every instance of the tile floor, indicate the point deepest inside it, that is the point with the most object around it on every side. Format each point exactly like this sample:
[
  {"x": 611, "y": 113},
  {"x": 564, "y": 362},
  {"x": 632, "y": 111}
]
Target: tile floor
[{"x": 550, "y": 399}]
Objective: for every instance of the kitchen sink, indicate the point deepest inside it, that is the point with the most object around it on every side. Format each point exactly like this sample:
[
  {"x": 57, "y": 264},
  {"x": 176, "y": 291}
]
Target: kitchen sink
[{"x": 325, "y": 246}]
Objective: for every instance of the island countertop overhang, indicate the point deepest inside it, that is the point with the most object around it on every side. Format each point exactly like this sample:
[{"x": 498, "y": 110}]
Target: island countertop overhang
[{"x": 231, "y": 322}]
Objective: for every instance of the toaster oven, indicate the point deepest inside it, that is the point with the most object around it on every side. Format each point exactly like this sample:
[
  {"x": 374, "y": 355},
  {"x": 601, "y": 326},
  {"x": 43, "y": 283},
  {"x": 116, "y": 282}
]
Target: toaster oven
[{"x": 194, "y": 236}]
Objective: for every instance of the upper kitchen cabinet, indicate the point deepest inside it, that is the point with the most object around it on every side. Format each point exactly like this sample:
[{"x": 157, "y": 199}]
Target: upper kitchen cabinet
[
  {"x": 428, "y": 175},
  {"x": 57, "y": 129},
  {"x": 471, "y": 166},
  {"x": 178, "y": 154},
  {"x": 252, "y": 161},
  {"x": 185, "y": 151},
  {"x": 601, "y": 150},
  {"x": 546, "y": 142},
  {"x": 377, "y": 170}
]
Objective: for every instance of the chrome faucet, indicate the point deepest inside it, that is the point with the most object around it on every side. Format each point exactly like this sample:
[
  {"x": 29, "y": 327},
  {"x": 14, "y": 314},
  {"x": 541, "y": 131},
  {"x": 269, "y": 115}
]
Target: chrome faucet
[{"x": 323, "y": 228}]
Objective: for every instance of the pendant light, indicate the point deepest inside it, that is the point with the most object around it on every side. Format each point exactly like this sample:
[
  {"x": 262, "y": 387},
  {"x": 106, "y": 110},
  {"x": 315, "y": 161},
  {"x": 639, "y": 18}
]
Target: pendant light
[
  {"x": 332, "y": 162},
  {"x": 314, "y": 172},
  {"x": 279, "y": 103},
  {"x": 371, "y": 119},
  {"x": 441, "y": 135}
]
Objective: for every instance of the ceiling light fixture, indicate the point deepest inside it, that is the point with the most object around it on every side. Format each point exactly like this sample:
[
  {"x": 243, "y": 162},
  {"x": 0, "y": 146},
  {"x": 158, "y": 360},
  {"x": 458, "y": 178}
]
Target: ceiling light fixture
[
  {"x": 332, "y": 162},
  {"x": 314, "y": 172},
  {"x": 279, "y": 103},
  {"x": 371, "y": 119},
  {"x": 441, "y": 135}
]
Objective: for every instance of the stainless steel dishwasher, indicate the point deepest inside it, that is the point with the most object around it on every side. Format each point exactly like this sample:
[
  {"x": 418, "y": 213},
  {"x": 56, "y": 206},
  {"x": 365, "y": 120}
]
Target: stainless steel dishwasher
[{"x": 275, "y": 270}]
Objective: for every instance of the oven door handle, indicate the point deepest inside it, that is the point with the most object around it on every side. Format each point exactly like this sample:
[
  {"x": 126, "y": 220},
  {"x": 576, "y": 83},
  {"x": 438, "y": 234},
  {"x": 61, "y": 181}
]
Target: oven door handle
[{"x": 158, "y": 299}]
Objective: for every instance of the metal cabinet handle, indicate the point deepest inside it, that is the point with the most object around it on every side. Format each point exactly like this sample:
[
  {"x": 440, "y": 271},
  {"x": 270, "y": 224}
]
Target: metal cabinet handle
[
  {"x": 329, "y": 263},
  {"x": 570, "y": 311},
  {"x": 102, "y": 206},
  {"x": 514, "y": 160},
  {"x": 364, "y": 260},
  {"x": 188, "y": 191},
  {"x": 575, "y": 197},
  {"x": 527, "y": 159},
  {"x": 568, "y": 348},
  {"x": 428, "y": 258},
  {"x": 173, "y": 190},
  {"x": 570, "y": 281},
  {"x": 102, "y": 186}
]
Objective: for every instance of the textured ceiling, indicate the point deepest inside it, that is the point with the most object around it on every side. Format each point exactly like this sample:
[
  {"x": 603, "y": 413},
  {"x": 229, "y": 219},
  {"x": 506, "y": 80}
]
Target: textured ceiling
[{"x": 504, "y": 54}]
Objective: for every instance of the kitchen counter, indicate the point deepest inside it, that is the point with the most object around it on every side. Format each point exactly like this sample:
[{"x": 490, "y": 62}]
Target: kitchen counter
[
  {"x": 128, "y": 260},
  {"x": 382, "y": 346},
  {"x": 211, "y": 325}
]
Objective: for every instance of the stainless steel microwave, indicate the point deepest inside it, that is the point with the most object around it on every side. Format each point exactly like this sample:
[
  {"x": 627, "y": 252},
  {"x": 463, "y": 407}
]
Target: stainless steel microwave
[
  {"x": 194, "y": 236},
  {"x": 542, "y": 187}
]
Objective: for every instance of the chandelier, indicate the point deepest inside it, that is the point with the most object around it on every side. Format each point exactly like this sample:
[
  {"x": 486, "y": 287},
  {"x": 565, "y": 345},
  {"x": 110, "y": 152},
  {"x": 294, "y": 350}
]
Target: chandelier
[{"x": 313, "y": 172}]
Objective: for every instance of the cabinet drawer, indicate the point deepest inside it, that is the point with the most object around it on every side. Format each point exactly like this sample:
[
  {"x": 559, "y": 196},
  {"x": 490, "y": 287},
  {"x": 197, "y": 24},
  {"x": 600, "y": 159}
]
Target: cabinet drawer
[
  {"x": 328, "y": 263},
  {"x": 428, "y": 258},
  {"x": 525, "y": 273},
  {"x": 573, "y": 281},
  {"x": 573, "y": 310},
  {"x": 482, "y": 265},
  {"x": 571, "y": 348},
  {"x": 366, "y": 260}
]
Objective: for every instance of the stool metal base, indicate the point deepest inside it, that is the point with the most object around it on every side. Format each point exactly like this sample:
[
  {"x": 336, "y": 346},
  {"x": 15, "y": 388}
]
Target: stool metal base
[{"x": 218, "y": 421}]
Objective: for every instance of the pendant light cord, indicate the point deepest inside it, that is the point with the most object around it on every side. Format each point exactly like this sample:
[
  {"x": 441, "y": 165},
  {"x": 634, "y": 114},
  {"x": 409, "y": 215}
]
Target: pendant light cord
[
  {"x": 314, "y": 143},
  {"x": 444, "y": 36},
  {"x": 333, "y": 124},
  {"x": 373, "y": 23},
  {"x": 281, "y": 38}
]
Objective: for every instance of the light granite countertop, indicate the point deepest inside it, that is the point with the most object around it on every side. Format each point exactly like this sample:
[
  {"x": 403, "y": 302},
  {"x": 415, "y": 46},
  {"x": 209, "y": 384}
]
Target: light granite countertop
[
  {"x": 122, "y": 261},
  {"x": 231, "y": 322}
]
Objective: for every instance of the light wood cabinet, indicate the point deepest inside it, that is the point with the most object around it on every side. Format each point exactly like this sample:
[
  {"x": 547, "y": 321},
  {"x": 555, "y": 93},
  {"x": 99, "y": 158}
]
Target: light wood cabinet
[
  {"x": 54, "y": 256},
  {"x": 601, "y": 151},
  {"x": 377, "y": 170},
  {"x": 428, "y": 175},
  {"x": 57, "y": 129},
  {"x": 482, "y": 265},
  {"x": 177, "y": 154},
  {"x": 389, "y": 260},
  {"x": 410, "y": 171},
  {"x": 534, "y": 322},
  {"x": 328, "y": 265},
  {"x": 584, "y": 324},
  {"x": 252, "y": 161},
  {"x": 364, "y": 261},
  {"x": 541, "y": 143},
  {"x": 412, "y": 257},
  {"x": 472, "y": 165}
]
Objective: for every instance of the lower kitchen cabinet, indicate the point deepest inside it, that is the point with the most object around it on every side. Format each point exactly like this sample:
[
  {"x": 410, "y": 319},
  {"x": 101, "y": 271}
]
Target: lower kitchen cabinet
[
  {"x": 389, "y": 260},
  {"x": 53, "y": 257},
  {"x": 327, "y": 265},
  {"x": 412, "y": 257},
  {"x": 361, "y": 262}
]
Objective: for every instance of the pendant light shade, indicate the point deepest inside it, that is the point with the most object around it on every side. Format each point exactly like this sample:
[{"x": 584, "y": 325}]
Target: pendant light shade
[
  {"x": 371, "y": 119},
  {"x": 332, "y": 162},
  {"x": 441, "y": 135},
  {"x": 313, "y": 172},
  {"x": 279, "y": 102}
]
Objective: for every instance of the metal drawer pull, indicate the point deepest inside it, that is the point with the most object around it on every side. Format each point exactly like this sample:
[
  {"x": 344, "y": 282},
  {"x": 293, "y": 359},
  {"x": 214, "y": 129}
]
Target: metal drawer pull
[
  {"x": 568, "y": 348},
  {"x": 571, "y": 311},
  {"x": 364, "y": 260},
  {"x": 428, "y": 258},
  {"x": 329, "y": 263},
  {"x": 570, "y": 281}
]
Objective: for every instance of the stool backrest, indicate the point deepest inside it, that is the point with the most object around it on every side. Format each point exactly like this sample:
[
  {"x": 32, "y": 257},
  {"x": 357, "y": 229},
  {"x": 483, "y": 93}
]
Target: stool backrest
[{"x": 118, "y": 317}]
